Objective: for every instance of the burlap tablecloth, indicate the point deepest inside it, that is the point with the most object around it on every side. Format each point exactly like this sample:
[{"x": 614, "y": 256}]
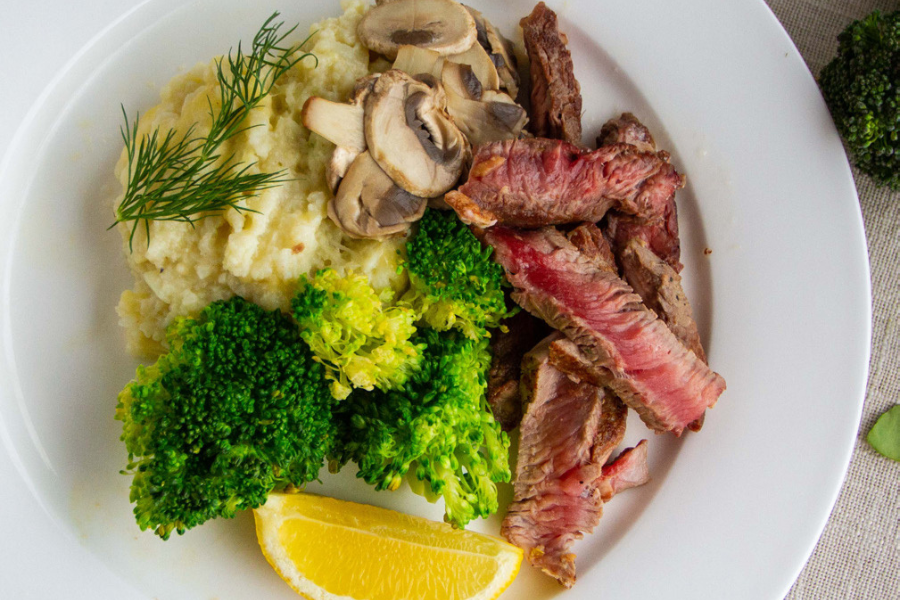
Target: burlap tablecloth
[{"x": 858, "y": 556}]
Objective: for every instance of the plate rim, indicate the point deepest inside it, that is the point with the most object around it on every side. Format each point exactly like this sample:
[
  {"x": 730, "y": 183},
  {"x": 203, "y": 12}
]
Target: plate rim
[{"x": 6, "y": 255}]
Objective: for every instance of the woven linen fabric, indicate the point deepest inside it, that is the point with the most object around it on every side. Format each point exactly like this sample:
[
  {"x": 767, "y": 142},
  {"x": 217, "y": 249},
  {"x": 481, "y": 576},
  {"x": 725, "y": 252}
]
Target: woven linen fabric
[{"x": 858, "y": 555}]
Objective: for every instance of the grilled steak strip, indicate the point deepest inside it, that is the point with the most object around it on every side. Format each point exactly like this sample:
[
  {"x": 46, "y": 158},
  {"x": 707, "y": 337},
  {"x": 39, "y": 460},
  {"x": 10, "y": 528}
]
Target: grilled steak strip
[
  {"x": 628, "y": 470},
  {"x": 555, "y": 93},
  {"x": 626, "y": 345},
  {"x": 568, "y": 431},
  {"x": 659, "y": 286},
  {"x": 589, "y": 240},
  {"x": 648, "y": 248},
  {"x": 626, "y": 129},
  {"x": 536, "y": 182},
  {"x": 658, "y": 230},
  {"x": 651, "y": 278},
  {"x": 507, "y": 350}
]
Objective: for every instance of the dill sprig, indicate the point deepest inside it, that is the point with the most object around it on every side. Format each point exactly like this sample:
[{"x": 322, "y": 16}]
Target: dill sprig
[{"x": 183, "y": 178}]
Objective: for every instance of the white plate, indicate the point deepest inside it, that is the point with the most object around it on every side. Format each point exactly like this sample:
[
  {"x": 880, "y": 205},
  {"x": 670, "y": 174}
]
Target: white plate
[{"x": 782, "y": 301}]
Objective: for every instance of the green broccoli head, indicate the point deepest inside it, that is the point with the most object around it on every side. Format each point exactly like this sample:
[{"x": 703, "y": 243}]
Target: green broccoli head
[
  {"x": 236, "y": 409},
  {"x": 439, "y": 428},
  {"x": 862, "y": 89},
  {"x": 453, "y": 280},
  {"x": 362, "y": 342}
]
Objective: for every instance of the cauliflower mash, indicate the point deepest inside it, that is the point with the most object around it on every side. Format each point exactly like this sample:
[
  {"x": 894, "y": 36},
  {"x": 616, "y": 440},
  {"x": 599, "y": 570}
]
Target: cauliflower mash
[{"x": 258, "y": 255}]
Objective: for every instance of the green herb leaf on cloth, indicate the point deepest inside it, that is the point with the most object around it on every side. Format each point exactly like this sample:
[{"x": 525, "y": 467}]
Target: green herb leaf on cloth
[{"x": 885, "y": 435}]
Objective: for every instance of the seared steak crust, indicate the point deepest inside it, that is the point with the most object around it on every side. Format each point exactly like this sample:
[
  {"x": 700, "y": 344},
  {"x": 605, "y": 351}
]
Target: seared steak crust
[
  {"x": 555, "y": 93},
  {"x": 535, "y": 182},
  {"x": 626, "y": 129},
  {"x": 658, "y": 230},
  {"x": 589, "y": 240},
  {"x": 568, "y": 431},
  {"x": 625, "y": 345},
  {"x": 659, "y": 286}
]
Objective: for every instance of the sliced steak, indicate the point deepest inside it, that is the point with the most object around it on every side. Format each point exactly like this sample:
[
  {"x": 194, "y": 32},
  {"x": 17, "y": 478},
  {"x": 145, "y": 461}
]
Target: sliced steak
[
  {"x": 507, "y": 349},
  {"x": 628, "y": 470},
  {"x": 627, "y": 347},
  {"x": 535, "y": 182},
  {"x": 555, "y": 93},
  {"x": 648, "y": 249},
  {"x": 651, "y": 278},
  {"x": 589, "y": 240},
  {"x": 659, "y": 286},
  {"x": 658, "y": 230},
  {"x": 566, "y": 356},
  {"x": 626, "y": 129},
  {"x": 568, "y": 431}
]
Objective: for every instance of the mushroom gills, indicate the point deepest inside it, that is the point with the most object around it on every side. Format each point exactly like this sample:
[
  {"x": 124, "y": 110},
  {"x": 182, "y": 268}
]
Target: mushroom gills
[
  {"x": 460, "y": 80},
  {"x": 484, "y": 122},
  {"x": 500, "y": 51},
  {"x": 368, "y": 204},
  {"x": 481, "y": 64},
  {"x": 493, "y": 117},
  {"x": 441, "y": 25},
  {"x": 412, "y": 137}
]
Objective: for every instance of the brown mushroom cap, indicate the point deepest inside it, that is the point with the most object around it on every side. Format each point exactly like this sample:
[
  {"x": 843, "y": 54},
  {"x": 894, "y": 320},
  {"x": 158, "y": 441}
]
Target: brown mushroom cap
[
  {"x": 368, "y": 204},
  {"x": 441, "y": 25},
  {"x": 411, "y": 136}
]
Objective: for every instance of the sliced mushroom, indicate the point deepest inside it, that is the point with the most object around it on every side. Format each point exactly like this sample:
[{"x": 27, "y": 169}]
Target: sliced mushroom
[
  {"x": 415, "y": 60},
  {"x": 341, "y": 124},
  {"x": 337, "y": 122},
  {"x": 500, "y": 51},
  {"x": 493, "y": 117},
  {"x": 484, "y": 122},
  {"x": 492, "y": 96},
  {"x": 411, "y": 136},
  {"x": 461, "y": 81},
  {"x": 369, "y": 205},
  {"x": 441, "y": 25},
  {"x": 336, "y": 168},
  {"x": 481, "y": 64}
]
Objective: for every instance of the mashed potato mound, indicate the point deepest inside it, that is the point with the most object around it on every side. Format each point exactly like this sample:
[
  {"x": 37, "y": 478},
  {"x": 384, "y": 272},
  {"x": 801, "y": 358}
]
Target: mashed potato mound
[{"x": 261, "y": 255}]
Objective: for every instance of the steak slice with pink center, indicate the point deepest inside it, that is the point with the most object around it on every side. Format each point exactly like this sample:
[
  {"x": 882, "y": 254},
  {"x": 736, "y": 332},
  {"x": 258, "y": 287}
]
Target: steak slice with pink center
[
  {"x": 566, "y": 435},
  {"x": 535, "y": 182},
  {"x": 659, "y": 230},
  {"x": 640, "y": 359},
  {"x": 628, "y": 470}
]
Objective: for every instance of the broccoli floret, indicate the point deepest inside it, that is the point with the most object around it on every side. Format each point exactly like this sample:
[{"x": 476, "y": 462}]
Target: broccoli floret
[
  {"x": 361, "y": 342},
  {"x": 439, "y": 428},
  {"x": 236, "y": 409},
  {"x": 862, "y": 89},
  {"x": 453, "y": 281}
]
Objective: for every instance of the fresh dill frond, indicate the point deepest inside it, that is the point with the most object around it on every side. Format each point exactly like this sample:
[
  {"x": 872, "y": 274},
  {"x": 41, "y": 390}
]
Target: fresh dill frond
[{"x": 184, "y": 177}]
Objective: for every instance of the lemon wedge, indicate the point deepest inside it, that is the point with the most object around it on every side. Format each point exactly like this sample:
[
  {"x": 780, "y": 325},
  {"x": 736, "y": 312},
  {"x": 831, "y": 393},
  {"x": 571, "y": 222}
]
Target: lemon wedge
[{"x": 328, "y": 549}]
